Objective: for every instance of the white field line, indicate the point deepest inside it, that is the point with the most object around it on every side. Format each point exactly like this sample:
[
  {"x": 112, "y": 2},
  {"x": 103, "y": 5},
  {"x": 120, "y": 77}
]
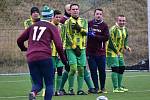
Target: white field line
[
  {"x": 13, "y": 81},
  {"x": 107, "y": 77},
  {"x": 13, "y": 97}
]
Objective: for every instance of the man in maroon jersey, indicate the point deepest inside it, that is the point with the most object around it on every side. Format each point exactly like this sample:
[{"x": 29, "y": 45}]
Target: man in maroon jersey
[
  {"x": 98, "y": 34},
  {"x": 40, "y": 36}
]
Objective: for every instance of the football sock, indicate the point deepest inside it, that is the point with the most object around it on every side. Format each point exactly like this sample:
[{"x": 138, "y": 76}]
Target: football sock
[
  {"x": 64, "y": 79},
  {"x": 114, "y": 78},
  {"x": 87, "y": 79},
  {"x": 58, "y": 82},
  {"x": 120, "y": 76}
]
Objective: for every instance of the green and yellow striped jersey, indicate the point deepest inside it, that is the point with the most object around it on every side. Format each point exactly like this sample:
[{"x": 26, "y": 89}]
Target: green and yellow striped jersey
[
  {"x": 28, "y": 23},
  {"x": 74, "y": 38},
  {"x": 62, "y": 30},
  {"x": 118, "y": 41}
]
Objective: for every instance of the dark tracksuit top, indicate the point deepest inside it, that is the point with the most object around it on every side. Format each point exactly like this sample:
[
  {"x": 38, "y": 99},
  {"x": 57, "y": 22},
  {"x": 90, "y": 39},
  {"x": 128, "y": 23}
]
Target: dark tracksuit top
[{"x": 97, "y": 45}]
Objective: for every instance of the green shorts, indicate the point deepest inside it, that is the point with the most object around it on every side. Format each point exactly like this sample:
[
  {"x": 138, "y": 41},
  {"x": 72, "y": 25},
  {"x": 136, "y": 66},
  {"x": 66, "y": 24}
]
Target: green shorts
[
  {"x": 73, "y": 59},
  {"x": 57, "y": 62},
  {"x": 115, "y": 61}
]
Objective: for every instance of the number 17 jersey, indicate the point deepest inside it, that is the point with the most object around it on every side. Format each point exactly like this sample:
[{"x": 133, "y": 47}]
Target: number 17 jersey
[{"x": 40, "y": 36}]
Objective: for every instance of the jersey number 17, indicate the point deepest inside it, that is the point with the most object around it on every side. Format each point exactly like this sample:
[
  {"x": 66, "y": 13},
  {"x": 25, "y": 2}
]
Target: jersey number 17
[{"x": 36, "y": 37}]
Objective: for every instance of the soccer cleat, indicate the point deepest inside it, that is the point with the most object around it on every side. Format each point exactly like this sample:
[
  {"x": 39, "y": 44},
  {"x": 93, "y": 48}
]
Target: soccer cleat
[
  {"x": 123, "y": 89},
  {"x": 96, "y": 90},
  {"x": 103, "y": 91},
  {"x": 58, "y": 93},
  {"x": 91, "y": 90},
  {"x": 117, "y": 90},
  {"x": 71, "y": 92},
  {"x": 63, "y": 92},
  {"x": 32, "y": 96},
  {"x": 81, "y": 92},
  {"x": 43, "y": 93}
]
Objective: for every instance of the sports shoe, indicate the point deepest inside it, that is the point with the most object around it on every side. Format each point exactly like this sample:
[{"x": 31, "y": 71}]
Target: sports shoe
[
  {"x": 96, "y": 90},
  {"x": 103, "y": 91},
  {"x": 63, "y": 92},
  {"x": 117, "y": 90},
  {"x": 81, "y": 92},
  {"x": 91, "y": 90},
  {"x": 43, "y": 92},
  {"x": 123, "y": 89},
  {"x": 32, "y": 96},
  {"x": 71, "y": 92},
  {"x": 57, "y": 93}
]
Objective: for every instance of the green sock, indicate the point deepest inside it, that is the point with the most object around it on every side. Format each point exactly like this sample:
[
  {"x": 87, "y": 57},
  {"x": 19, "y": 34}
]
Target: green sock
[
  {"x": 80, "y": 82},
  {"x": 114, "y": 78},
  {"x": 64, "y": 79},
  {"x": 80, "y": 77},
  {"x": 58, "y": 82},
  {"x": 87, "y": 79},
  {"x": 120, "y": 76},
  {"x": 71, "y": 81},
  {"x": 54, "y": 84},
  {"x": 71, "y": 75}
]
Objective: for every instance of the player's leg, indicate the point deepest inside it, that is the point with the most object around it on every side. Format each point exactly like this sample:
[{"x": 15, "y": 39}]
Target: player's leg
[
  {"x": 120, "y": 74},
  {"x": 36, "y": 77},
  {"x": 81, "y": 62},
  {"x": 88, "y": 80},
  {"x": 54, "y": 60},
  {"x": 58, "y": 80},
  {"x": 93, "y": 70},
  {"x": 71, "y": 77},
  {"x": 47, "y": 71},
  {"x": 73, "y": 68},
  {"x": 80, "y": 80},
  {"x": 113, "y": 62},
  {"x": 101, "y": 62},
  {"x": 54, "y": 64},
  {"x": 64, "y": 79}
]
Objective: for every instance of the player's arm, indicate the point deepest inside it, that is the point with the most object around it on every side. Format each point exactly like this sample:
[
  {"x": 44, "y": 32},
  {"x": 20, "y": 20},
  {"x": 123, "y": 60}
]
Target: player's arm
[
  {"x": 112, "y": 41},
  {"x": 126, "y": 42},
  {"x": 84, "y": 29},
  {"x": 58, "y": 44},
  {"x": 22, "y": 38}
]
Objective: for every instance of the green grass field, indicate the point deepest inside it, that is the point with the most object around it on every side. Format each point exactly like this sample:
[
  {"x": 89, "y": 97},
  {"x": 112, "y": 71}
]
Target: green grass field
[{"x": 138, "y": 83}]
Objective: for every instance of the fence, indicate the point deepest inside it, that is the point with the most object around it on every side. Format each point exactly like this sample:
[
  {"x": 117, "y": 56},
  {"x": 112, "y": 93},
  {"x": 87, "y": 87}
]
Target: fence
[{"x": 11, "y": 25}]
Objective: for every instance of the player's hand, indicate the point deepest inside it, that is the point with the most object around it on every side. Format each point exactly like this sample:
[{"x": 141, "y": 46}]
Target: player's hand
[
  {"x": 129, "y": 49},
  {"x": 77, "y": 51},
  {"x": 91, "y": 33},
  {"x": 67, "y": 67},
  {"x": 24, "y": 49},
  {"x": 73, "y": 26},
  {"x": 77, "y": 27},
  {"x": 118, "y": 54}
]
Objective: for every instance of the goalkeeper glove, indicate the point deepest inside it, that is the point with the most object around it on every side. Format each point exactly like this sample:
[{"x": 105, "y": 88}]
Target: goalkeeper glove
[
  {"x": 91, "y": 33},
  {"x": 77, "y": 51}
]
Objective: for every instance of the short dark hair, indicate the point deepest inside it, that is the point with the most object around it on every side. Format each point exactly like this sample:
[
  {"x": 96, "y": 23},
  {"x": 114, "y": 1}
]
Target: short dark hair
[
  {"x": 100, "y": 9},
  {"x": 121, "y": 15},
  {"x": 74, "y": 4},
  {"x": 56, "y": 12}
]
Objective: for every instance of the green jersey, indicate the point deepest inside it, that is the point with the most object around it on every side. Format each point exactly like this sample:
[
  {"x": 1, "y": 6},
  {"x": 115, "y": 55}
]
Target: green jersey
[
  {"x": 118, "y": 41},
  {"x": 72, "y": 36},
  {"x": 61, "y": 29},
  {"x": 28, "y": 23}
]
